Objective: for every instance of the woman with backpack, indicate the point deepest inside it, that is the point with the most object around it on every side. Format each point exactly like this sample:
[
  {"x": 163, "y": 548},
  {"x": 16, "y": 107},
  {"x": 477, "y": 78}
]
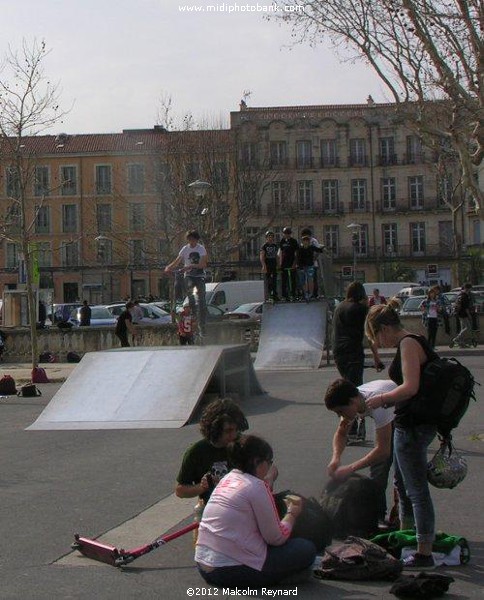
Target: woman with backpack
[{"x": 411, "y": 440}]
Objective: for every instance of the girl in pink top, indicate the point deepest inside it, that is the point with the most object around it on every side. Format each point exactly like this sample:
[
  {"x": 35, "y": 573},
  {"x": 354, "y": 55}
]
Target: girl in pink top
[{"x": 241, "y": 540}]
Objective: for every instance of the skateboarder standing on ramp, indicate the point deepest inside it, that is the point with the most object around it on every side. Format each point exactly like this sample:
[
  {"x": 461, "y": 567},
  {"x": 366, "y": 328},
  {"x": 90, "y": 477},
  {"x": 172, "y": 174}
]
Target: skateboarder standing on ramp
[
  {"x": 195, "y": 259},
  {"x": 305, "y": 266},
  {"x": 268, "y": 260},
  {"x": 288, "y": 247}
]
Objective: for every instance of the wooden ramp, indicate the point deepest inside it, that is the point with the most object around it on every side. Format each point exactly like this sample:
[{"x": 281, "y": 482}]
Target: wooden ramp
[
  {"x": 139, "y": 388},
  {"x": 292, "y": 336}
]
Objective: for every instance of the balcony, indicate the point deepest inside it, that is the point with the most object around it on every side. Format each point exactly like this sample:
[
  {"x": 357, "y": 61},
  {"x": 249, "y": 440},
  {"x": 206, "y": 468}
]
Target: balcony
[
  {"x": 329, "y": 163},
  {"x": 405, "y": 205},
  {"x": 333, "y": 211},
  {"x": 304, "y": 162},
  {"x": 279, "y": 164},
  {"x": 357, "y": 161},
  {"x": 387, "y": 160},
  {"x": 359, "y": 207},
  {"x": 414, "y": 158}
]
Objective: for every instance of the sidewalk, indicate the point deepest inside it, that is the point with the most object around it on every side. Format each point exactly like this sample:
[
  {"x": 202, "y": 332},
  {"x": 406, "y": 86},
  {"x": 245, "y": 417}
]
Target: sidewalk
[{"x": 59, "y": 372}]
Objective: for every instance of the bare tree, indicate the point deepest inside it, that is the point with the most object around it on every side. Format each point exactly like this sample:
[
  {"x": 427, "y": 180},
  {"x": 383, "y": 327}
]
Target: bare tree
[
  {"x": 28, "y": 106},
  {"x": 422, "y": 50}
]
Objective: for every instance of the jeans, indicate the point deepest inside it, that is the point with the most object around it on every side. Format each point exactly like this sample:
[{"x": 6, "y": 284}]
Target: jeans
[
  {"x": 295, "y": 555},
  {"x": 288, "y": 279},
  {"x": 432, "y": 326},
  {"x": 271, "y": 282},
  {"x": 415, "y": 502},
  {"x": 191, "y": 283},
  {"x": 465, "y": 326},
  {"x": 379, "y": 473}
]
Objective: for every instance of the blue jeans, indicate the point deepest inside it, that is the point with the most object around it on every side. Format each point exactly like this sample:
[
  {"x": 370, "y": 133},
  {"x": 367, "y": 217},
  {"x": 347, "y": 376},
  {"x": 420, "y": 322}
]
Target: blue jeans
[
  {"x": 191, "y": 283},
  {"x": 415, "y": 502},
  {"x": 295, "y": 555}
]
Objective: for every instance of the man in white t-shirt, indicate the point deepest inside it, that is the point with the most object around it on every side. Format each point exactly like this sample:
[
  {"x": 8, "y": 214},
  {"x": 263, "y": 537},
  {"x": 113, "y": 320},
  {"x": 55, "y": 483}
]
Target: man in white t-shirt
[
  {"x": 349, "y": 402},
  {"x": 194, "y": 258}
]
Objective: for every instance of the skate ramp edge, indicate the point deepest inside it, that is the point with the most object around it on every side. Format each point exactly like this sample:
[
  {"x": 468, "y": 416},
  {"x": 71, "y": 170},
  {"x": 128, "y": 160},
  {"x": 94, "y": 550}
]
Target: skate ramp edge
[
  {"x": 146, "y": 387},
  {"x": 292, "y": 336}
]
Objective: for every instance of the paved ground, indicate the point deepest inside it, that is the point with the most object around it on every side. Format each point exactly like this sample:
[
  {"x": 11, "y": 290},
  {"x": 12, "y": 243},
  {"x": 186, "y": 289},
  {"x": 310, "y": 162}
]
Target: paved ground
[{"x": 120, "y": 483}]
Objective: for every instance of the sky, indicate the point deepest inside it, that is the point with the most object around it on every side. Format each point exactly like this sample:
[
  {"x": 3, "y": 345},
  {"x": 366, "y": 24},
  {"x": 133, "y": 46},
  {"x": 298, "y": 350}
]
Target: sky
[{"x": 115, "y": 59}]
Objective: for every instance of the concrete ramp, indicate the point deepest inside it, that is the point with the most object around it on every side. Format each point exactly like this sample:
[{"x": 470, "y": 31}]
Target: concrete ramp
[
  {"x": 140, "y": 388},
  {"x": 292, "y": 336}
]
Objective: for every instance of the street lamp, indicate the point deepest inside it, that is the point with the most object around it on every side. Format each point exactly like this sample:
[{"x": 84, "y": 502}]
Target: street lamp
[
  {"x": 101, "y": 241},
  {"x": 200, "y": 189},
  {"x": 355, "y": 235}
]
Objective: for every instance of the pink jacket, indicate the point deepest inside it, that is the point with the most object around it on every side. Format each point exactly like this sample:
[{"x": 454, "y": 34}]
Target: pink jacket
[{"x": 241, "y": 519}]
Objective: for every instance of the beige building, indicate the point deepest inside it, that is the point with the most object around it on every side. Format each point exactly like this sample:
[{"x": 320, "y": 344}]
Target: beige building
[
  {"x": 106, "y": 212},
  {"x": 360, "y": 178}
]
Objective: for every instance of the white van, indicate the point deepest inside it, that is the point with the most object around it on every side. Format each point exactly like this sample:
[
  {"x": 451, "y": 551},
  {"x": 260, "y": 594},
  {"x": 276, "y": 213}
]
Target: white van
[
  {"x": 406, "y": 292},
  {"x": 388, "y": 289},
  {"x": 227, "y": 295}
]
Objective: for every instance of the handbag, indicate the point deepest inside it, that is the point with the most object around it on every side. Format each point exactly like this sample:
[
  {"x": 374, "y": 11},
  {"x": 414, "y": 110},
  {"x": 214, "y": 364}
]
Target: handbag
[{"x": 29, "y": 390}]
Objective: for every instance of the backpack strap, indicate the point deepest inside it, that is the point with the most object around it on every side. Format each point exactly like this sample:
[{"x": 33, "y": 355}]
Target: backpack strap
[{"x": 431, "y": 354}]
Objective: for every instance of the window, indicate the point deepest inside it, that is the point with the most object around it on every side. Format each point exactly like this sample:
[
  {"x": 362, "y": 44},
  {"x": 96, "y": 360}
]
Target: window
[
  {"x": 358, "y": 194},
  {"x": 13, "y": 217},
  {"x": 278, "y": 154},
  {"x": 304, "y": 158},
  {"x": 362, "y": 240},
  {"x": 446, "y": 237},
  {"x": 390, "y": 240},
  {"x": 136, "y": 179},
  {"x": 476, "y": 231},
  {"x": 163, "y": 248},
  {"x": 12, "y": 256},
  {"x": 253, "y": 243},
  {"x": 386, "y": 146},
  {"x": 103, "y": 179},
  {"x": 329, "y": 157},
  {"x": 137, "y": 252},
  {"x": 220, "y": 178},
  {"x": 44, "y": 254},
  {"x": 414, "y": 149},
  {"x": 330, "y": 195},
  {"x": 445, "y": 190},
  {"x": 357, "y": 152},
  {"x": 305, "y": 196},
  {"x": 249, "y": 195},
  {"x": 136, "y": 216},
  {"x": 12, "y": 182},
  {"x": 416, "y": 192},
  {"x": 42, "y": 219},
  {"x": 417, "y": 236},
  {"x": 104, "y": 217},
  {"x": 68, "y": 176},
  {"x": 388, "y": 193},
  {"x": 249, "y": 154},
  {"x": 41, "y": 181},
  {"x": 69, "y": 218},
  {"x": 331, "y": 238},
  {"x": 279, "y": 197},
  {"x": 104, "y": 251},
  {"x": 70, "y": 254}
]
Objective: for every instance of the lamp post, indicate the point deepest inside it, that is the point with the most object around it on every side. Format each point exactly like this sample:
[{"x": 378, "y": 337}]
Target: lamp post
[
  {"x": 355, "y": 235},
  {"x": 101, "y": 241},
  {"x": 200, "y": 189}
]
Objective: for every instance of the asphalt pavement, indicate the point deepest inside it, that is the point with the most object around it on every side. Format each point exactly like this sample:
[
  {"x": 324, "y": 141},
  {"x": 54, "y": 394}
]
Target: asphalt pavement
[{"x": 119, "y": 484}]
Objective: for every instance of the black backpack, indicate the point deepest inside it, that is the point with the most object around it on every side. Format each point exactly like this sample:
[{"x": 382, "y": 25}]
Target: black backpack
[
  {"x": 446, "y": 388},
  {"x": 312, "y": 524},
  {"x": 353, "y": 506},
  {"x": 7, "y": 386}
]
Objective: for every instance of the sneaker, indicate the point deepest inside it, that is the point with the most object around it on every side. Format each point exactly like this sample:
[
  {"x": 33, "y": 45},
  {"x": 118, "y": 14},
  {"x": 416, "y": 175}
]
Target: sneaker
[{"x": 418, "y": 562}]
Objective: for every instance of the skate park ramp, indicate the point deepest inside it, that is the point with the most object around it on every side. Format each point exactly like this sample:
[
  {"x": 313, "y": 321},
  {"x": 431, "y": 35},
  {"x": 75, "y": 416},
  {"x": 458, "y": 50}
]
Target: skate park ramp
[
  {"x": 292, "y": 336},
  {"x": 140, "y": 388}
]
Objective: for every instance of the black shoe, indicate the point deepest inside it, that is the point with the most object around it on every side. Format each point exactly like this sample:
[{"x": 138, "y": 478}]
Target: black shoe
[{"x": 418, "y": 562}]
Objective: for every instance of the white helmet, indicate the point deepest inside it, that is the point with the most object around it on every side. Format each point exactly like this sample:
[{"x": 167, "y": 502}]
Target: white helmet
[{"x": 447, "y": 468}]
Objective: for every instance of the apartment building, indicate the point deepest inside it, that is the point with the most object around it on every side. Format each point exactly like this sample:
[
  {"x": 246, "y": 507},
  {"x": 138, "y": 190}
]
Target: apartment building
[
  {"x": 361, "y": 179},
  {"x": 106, "y": 212}
]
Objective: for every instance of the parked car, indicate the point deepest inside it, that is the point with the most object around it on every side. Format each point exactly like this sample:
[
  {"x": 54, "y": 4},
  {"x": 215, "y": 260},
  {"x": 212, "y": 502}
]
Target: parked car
[
  {"x": 214, "y": 313},
  {"x": 411, "y": 306},
  {"x": 252, "y": 312},
  {"x": 152, "y": 315},
  {"x": 100, "y": 317},
  {"x": 62, "y": 312}
]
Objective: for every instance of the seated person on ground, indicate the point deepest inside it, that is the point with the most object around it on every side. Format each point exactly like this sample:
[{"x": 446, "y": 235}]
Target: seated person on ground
[{"x": 242, "y": 541}]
